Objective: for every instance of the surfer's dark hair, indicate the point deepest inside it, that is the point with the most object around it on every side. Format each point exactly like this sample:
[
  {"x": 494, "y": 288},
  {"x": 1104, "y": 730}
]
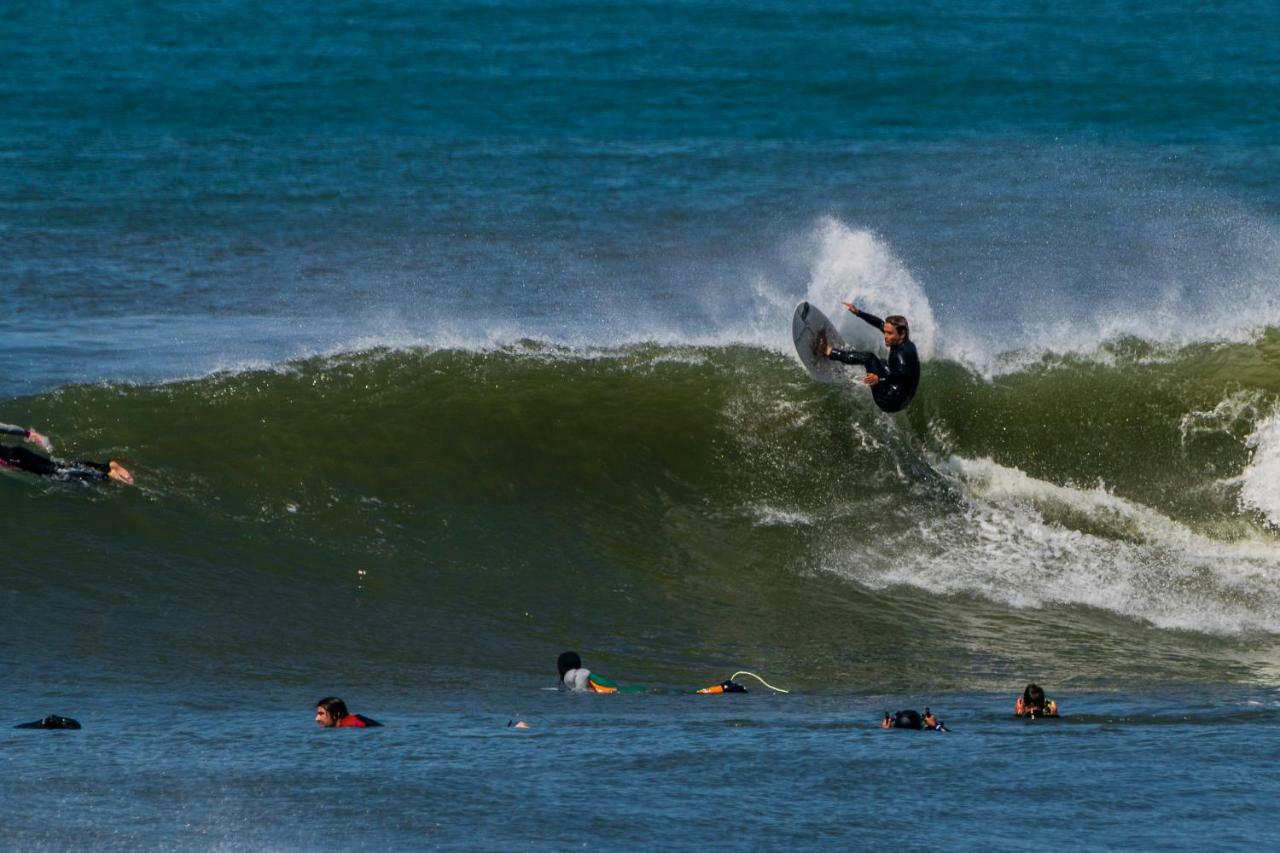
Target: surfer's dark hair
[
  {"x": 908, "y": 720},
  {"x": 568, "y": 661},
  {"x": 336, "y": 707},
  {"x": 900, "y": 323},
  {"x": 1033, "y": 696}
]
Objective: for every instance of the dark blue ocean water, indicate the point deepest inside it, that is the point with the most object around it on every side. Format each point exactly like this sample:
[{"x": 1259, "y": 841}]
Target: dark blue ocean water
[
  {"x": 189, "y": 188},
  {"x": 200, "y": 185}
]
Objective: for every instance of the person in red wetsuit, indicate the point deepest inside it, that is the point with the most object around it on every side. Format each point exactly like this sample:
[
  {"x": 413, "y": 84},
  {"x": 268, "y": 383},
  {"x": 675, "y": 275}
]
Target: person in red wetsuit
[{"x": 332, "y": 713}]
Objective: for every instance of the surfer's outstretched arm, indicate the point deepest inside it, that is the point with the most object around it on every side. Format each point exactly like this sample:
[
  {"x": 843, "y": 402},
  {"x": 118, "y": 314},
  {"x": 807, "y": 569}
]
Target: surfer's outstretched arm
[
  {"x": 29, "y": 434},
  {"x": 869, "y": 319}
]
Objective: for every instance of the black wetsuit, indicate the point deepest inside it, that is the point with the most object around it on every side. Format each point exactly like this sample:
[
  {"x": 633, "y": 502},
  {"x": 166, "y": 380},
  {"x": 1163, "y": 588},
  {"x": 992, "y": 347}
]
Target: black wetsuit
[
  {"x": 898, "y": 379},
  {"x": 33, "y": 463}
]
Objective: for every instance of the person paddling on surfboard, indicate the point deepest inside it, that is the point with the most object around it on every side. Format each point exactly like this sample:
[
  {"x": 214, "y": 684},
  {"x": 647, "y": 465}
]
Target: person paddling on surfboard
[
  {"x": 332, "y": 713},
  {"x": 892, "y": 384},
  {"x": 21, "y": 459}
]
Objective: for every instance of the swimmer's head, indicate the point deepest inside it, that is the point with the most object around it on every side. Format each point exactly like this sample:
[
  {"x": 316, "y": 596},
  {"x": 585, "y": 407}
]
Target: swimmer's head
[
  {"x": 908, "y": 720},
  {"x": 896, "y": 331},
  {"x": 329, "y": 711},
  {"x": 1033, "y": 697},
  {"x": 568, "y": 661}
]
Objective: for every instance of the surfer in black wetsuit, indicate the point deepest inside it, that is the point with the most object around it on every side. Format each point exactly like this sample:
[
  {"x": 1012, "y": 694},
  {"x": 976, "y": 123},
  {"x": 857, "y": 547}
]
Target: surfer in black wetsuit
[
  {"x": 893, "y": 384},
  {"x": 21, "y": 459}
]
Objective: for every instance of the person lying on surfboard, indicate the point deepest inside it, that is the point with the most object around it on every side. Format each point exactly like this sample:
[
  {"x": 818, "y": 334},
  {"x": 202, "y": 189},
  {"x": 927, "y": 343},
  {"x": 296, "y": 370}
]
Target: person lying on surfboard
[
  {"x": 332, "y": 713},
  {"x": 892, "y": 384},
  {"x": 21, "y": 459}
]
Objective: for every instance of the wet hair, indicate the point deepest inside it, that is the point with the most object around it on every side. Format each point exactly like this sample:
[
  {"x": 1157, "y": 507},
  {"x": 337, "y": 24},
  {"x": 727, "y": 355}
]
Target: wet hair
[
  {"x": 1033, "y": 696},
  {"x": 900, "y": 323},
  {"x": 568, "y": 661},
  {"x": 336, "y": 707},
  {"x": 908, "y": 720}
]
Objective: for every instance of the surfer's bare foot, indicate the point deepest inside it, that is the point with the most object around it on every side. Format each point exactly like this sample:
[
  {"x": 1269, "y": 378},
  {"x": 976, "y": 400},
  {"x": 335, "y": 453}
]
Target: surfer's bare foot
[{"x": 820, "y": 346}]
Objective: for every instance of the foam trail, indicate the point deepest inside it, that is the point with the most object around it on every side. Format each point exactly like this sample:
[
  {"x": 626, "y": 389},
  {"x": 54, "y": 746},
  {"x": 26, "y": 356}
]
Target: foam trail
[
  {"x": 1010, "y": 547},
  {"x": 1260, "y": 481}
]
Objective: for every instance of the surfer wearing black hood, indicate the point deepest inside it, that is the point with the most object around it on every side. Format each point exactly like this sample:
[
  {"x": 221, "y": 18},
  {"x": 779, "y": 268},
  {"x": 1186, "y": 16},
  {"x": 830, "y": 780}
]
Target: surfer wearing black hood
[{"x": 892, "y": 384}]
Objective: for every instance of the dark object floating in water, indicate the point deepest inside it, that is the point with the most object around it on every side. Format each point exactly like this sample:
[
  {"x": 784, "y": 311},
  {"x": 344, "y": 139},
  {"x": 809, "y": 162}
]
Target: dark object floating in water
[{"x": 53, "y": 721}]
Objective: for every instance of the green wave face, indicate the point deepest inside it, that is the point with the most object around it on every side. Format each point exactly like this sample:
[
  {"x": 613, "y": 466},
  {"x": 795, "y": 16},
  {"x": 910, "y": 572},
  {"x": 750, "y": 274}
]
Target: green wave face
[{"x": 668, "y": 510}]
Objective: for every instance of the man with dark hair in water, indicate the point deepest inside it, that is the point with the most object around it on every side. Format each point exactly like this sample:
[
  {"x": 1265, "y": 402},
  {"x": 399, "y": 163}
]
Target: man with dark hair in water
[
  {"x": 893, "y": 384},
  {"x": 910, "y": 719},
  {"x": 332, "y": 713},
  {"x": 1033, "y": 703},
  {"x": 21, "y": 459}
]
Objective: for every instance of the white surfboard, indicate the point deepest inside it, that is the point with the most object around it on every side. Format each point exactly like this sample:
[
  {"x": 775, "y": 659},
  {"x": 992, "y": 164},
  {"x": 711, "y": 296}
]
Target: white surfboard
[{"x": 809, "y": 328}]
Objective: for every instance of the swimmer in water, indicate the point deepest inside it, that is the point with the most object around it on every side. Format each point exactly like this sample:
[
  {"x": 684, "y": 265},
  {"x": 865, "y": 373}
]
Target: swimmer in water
[
  {"x": 909, "y": 719},
  {"x": 332, "y": 713},
  {"x": 576, "y": 678},
  {"x": 53, "y": 721},
  {"x": 892, "y": 384},
  {"x": 21, "y": 459},
  {"x": 1033, "y": 703}
]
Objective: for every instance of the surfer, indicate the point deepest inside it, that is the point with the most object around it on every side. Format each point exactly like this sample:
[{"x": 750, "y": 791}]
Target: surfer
[
  {"x": 1033, "y": 703},
  {"x": 578, "y": 679},
  {"x": 53, "y": 721},
  {"x": 22, "y": 459},
  {"x": 332, "y": 713},
  {"x": 910, "y": 719},
  {"x": 892, "y": 384}
]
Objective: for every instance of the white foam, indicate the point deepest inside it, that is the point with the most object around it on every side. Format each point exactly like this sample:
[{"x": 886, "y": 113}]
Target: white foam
[
  {"x": 857, "y": 266},
  {"x": 767, "y": 516},
  {"x": 749, "y": 303},
  {"x": 1260, "y": 480},
  {"x": 1131, "y": 560}
]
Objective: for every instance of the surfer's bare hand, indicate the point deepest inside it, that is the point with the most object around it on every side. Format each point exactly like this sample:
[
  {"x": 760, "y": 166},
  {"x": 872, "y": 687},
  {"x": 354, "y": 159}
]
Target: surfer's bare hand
[
  {"x": 870, "y": 379},
  {"x": 853, "y": 309},
  {"x": 826, "y": 350}
]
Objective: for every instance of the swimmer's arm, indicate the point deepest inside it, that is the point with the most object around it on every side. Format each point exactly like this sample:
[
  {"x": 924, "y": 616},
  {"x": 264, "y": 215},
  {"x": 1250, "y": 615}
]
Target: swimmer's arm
[{"x": 29, "y": 434}]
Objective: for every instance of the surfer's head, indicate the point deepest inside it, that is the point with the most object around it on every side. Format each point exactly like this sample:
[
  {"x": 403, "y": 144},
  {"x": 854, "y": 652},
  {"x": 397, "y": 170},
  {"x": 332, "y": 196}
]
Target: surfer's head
[
  {"x": 568, "y": 661},
  {"x": 907, "y": 720},
  {"x": 896, "y": 330},
  {"x": 329, "y": 711},
  {"x": 1033, "y": 698}
]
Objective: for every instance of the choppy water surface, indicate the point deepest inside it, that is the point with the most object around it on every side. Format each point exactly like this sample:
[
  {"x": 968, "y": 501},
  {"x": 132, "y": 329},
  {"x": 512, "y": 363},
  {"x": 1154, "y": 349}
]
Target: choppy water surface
[{"x": 442, "y": 339}]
